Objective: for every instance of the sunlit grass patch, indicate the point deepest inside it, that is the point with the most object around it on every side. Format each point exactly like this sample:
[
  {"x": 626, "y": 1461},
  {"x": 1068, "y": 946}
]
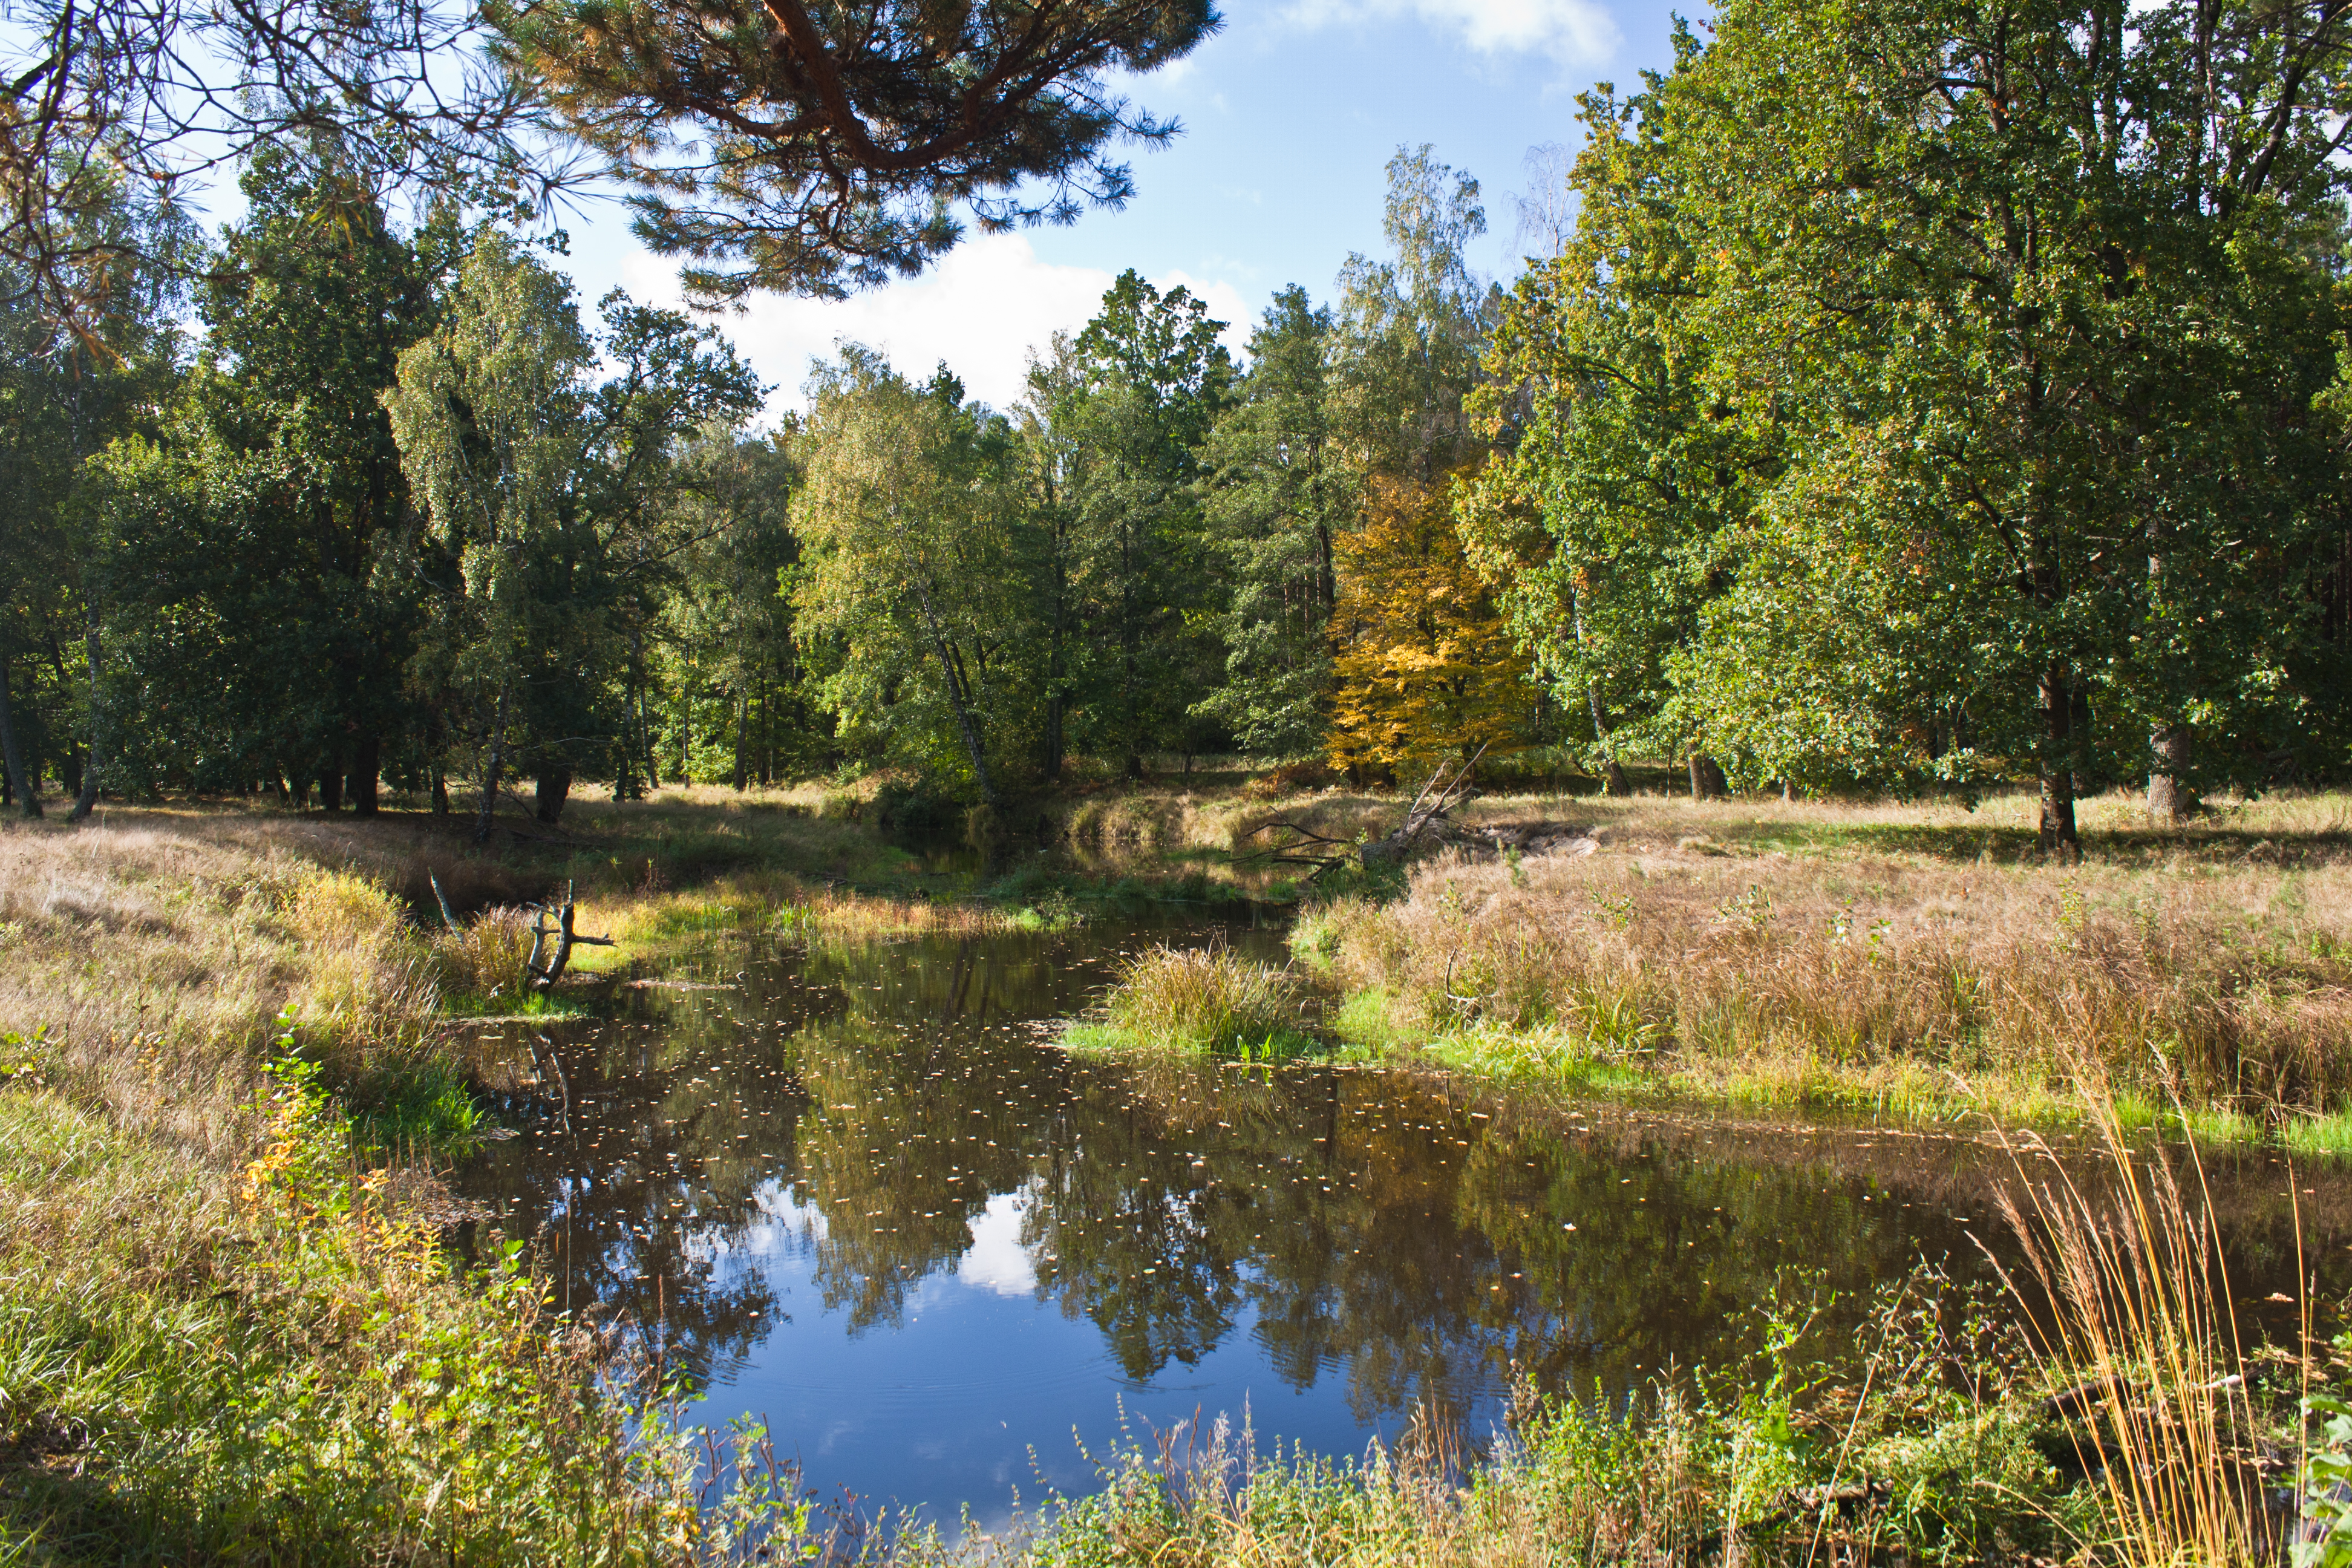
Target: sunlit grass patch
[
  {"x": 1363, "y": 1020},
  {"x": 1055, "y": 909},
  {"x": 2325, "y": 1137},
  {"x": 2206, "y": 1123},
  {"x": 519, "y": 1002},
  {"x": 1208, "y": 999}
]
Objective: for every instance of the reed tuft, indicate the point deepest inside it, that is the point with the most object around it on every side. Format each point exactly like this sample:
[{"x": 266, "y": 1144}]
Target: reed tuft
[{"x": 1205, "y": 999}]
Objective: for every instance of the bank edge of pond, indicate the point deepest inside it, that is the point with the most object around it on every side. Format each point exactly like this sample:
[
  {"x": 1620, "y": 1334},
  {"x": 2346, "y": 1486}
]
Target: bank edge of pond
[{"x": 1212, "y": 1001}]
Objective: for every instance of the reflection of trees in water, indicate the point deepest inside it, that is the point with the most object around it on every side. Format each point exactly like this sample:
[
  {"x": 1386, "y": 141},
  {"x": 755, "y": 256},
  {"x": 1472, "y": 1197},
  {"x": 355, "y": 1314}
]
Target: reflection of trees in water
[
  {"x": 908, "y": 1133},
  {"x": 1126, "y": 1232},
  {"x": 1390, "y": 1227},
  {"x": 1404, "y": 1236},
  {"x": 680, "y": 1112}
]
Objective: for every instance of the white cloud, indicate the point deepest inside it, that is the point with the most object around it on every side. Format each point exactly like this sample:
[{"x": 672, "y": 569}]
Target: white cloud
[
  {"x": 996, "y": 1261},
  {"x": 981, "y": 311},
  {"x": 1576, "y": 31}
]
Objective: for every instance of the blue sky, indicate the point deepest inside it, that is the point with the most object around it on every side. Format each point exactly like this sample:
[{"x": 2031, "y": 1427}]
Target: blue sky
[{"x": 1290, "y": 114}]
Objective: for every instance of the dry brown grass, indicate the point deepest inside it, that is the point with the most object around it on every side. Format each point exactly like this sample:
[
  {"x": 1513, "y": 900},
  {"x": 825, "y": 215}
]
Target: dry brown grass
[
  {"x": 1778, "y": 943},
  {"x": 155, "y": 962},
  {"x": 2131, "y": 1313}
]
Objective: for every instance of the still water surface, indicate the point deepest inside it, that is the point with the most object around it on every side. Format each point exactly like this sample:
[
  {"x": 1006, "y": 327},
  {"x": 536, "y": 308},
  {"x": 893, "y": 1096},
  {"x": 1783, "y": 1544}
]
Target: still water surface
[{"x": 858, "y": 1189}]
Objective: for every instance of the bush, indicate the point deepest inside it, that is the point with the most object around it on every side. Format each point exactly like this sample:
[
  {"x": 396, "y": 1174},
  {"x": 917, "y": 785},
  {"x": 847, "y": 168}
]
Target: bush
[{"x": 299, "y": 1374}]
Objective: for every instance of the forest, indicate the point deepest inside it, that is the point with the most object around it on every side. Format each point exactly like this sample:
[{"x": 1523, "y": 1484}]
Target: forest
[{"x": 1892, "y": 408}]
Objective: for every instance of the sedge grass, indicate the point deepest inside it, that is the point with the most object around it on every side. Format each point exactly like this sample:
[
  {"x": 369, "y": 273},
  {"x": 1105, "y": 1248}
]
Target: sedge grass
[
  {"x": 2130, "y": 1317},
  {"x": 1854, "y": 975},
  {"x": 1208, "y": 999}
]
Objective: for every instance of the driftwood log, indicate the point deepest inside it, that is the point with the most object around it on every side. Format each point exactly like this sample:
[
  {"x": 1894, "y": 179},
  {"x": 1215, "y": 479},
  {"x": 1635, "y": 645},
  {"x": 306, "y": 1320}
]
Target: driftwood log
[
  {"x": 542, "y": 975},
  {"x": 1446, "y": 788}
]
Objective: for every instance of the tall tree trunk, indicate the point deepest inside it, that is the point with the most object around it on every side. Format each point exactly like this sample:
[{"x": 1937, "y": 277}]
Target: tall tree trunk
[
  {"x": 766, "y": 748},
  {"x": 24, "y": 789},
  {"x": 551, "y": 789},
  {"x": 742, "y": 720},
  {"x": 2169, "y": 798},
  {"x": 440, "y": 792},
  {"x": 1130, "y": 638},
  {"x": 494, "y": 764},
  {"x": 652, "y": 759},
  {"x": 331, "y": 784},
  {"x": 367, "y": 763},
  {"x": 2057, "y": 765},
  {"x": 1706, "y": 780},
  {"x": 971, "y": 731},
  {"x": 1612, "y": 776},
  {"x": 1056, "y": 647},
  {"x": 93, "y": 764}
]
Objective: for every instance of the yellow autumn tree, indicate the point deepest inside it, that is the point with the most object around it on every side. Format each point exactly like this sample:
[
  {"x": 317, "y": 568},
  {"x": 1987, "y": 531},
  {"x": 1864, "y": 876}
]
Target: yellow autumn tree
[{"x": 1423, "y": 663}]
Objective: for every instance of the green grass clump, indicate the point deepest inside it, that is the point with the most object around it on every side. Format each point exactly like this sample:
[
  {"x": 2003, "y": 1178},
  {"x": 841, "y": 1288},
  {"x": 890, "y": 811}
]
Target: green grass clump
[
  {"x": 425, "y": 1105},
  {"x": 2327, "y": 1137},
  {"x": 1208, "y": 999}
]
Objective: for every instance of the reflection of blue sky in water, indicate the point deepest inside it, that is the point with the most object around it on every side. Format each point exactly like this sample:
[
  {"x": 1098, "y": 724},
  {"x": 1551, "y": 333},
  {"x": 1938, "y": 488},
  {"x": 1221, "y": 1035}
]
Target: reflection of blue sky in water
[{"x": 983, "y": 1386}]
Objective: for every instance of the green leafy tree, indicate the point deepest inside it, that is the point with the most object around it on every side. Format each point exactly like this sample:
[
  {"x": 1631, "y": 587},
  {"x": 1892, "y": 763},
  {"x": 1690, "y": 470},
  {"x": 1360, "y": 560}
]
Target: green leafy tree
[
  {"x": 291, "y": 567},
  {"x": 1130, "y": 402},
  {"x": 1278, "y": 495},
  {"x": 1619, "y": 484},
  {"x": 1411, "y": 326},
  {"x": 726, "y": 614},
  {"x": 67, "y": 390},
  {"x": 2030, "y": 301},
  {"x": 907, "y": 519},
  {"x": 1929, "y": 392},
  {"x": 489, "y": 414},
  {"x": 546, "y": 496}
]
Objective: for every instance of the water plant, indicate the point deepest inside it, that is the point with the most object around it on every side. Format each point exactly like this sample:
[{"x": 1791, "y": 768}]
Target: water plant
[{"x": 1207, "y": 999}]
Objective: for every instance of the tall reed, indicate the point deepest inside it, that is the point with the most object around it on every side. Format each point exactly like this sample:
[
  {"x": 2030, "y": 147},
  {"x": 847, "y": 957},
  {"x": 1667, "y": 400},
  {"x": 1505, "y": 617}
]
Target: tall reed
[{"x": 2131, "y": 1319}]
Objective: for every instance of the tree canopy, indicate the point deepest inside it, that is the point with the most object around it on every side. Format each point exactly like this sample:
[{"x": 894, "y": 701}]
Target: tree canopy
[{"x": 1908, "y": 394}]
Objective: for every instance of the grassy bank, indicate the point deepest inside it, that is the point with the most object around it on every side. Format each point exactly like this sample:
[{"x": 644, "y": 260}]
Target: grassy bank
[
  {"x": 1912, "y": 960},
  {"x": 228, "y": 1330}
]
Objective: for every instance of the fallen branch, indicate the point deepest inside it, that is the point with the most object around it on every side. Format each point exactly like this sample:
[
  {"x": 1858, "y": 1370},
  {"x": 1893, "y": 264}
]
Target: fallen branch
[
  {"x": 448, "y": 917},
  {"x": 566, "y": 938},
  {"x": 1445, "y": 788},
  {"x": 1427, "y": 808}
]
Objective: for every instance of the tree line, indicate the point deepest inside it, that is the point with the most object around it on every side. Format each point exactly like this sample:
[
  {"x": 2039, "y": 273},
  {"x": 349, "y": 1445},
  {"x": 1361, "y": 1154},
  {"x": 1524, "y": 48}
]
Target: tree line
[
  {"x": 1904, "y": 395},
  {"x": 405, "y": 513}
]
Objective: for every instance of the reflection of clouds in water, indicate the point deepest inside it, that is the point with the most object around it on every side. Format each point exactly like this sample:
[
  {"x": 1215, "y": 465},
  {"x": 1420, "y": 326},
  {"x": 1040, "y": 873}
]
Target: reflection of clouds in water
[
  {"x": 996, "y": 1260},
  {"x": 784, "y": 1228}
]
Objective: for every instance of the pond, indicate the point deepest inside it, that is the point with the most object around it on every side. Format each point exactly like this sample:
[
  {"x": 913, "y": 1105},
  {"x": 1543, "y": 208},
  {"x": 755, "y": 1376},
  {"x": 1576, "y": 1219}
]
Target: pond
[{"x": 858, "y": 1189}]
